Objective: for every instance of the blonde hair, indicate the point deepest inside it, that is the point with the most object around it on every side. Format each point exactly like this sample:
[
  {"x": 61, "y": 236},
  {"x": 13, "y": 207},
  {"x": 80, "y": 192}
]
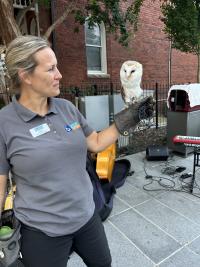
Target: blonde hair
[{"x": 20, "y": 55}]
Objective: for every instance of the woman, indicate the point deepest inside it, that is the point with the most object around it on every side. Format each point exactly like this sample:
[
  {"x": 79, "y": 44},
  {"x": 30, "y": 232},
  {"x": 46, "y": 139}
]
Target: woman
[{"x": 44, "y": 142}]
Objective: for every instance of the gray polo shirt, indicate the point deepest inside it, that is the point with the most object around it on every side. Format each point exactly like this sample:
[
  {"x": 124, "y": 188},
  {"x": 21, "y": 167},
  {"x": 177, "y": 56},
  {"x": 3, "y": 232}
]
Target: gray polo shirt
[{"x": 47, "y": 157}]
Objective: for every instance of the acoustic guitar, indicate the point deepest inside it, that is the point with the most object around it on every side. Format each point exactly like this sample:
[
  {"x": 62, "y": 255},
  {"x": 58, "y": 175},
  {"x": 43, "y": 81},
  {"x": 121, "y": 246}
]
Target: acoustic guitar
[
  {"x": 9, "y": 199},
  {"x": 105, "y": 162}
]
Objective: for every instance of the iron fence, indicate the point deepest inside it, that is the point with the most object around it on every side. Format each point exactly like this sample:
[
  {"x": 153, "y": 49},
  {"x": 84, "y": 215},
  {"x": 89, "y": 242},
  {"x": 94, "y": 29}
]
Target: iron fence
[
  {"x": 158, "y": 91},
  {"x": 125, "y": 144},
  {"x": 72, "y": 93}
]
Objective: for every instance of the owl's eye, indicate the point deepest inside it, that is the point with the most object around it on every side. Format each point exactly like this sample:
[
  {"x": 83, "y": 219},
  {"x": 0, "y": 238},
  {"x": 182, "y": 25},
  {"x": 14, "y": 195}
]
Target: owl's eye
[
  {"x": 132, "y": 71},
  {"x": 124, "y": 70}
]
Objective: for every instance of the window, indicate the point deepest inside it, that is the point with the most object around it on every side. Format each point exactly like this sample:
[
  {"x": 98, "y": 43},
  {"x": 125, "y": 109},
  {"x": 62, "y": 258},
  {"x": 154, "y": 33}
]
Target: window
[
  {"x": 96, "y": 49},
  {"x": 29, "y": 22}
]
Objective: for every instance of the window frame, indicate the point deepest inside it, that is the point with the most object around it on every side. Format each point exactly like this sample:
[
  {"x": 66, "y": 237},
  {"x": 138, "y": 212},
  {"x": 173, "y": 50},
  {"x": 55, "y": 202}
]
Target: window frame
[{"x": 103, "y": 56}]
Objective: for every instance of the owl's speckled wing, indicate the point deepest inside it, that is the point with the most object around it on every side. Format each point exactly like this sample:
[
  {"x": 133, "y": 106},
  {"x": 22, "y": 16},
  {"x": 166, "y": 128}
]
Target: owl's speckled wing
[{"x": 122, "y": 93}]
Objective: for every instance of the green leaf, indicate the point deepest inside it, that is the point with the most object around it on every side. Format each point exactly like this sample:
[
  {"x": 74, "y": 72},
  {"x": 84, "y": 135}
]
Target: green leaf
[{"x": 182, "y": 24}]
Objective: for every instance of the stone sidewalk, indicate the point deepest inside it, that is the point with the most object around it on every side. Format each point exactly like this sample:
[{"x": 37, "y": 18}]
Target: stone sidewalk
[{"x": 151, "y": 226}]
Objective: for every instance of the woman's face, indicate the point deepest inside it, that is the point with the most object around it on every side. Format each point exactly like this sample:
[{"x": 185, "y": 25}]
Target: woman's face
[{"x": 44, "y": 80}]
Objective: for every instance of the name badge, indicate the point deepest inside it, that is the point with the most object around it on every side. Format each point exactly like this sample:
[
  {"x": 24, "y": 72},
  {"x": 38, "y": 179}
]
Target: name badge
[{"x": 40, "y": 130}]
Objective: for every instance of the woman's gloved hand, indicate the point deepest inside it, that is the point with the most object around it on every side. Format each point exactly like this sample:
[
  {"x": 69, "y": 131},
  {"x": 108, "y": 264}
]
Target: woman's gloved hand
[{"x": 128, "y": 118}]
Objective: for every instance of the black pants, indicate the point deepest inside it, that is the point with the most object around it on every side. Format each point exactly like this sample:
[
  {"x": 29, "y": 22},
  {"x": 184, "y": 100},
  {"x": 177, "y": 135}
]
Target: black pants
[{"x": 89, "y": 242}]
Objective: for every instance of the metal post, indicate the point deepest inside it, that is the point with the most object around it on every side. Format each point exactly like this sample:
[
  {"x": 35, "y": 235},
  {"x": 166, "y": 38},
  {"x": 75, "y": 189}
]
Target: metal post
[
  {"x": 111, "y": 104},
  {"x": 195, "y": 163},
  {"x": 156, "y": 107},
  {"x": 111, "y": 88},
  {"x": 53, "y": 10}
]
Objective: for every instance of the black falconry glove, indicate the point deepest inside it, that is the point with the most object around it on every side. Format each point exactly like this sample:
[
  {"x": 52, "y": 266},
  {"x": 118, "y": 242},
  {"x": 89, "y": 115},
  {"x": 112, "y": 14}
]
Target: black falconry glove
[{"x": 128, "y": 118}]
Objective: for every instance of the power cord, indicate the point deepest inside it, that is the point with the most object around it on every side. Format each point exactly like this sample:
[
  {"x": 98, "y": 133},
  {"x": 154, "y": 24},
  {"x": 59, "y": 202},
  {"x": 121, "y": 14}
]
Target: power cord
[
  {"x": 172, "y": 172},
  {"x": 160, "y": 180}
]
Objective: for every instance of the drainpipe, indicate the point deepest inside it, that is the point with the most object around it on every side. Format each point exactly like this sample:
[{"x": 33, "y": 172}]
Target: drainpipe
[
  {"x": 52, "y": 10},
  {"x": 170, "y": 64}
]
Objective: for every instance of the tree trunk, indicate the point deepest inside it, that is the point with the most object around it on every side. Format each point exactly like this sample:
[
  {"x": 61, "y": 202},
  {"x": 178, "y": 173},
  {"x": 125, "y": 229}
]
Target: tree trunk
[
  {"x": 3, "y": 89},
  {"x": 8, "y": 26}
]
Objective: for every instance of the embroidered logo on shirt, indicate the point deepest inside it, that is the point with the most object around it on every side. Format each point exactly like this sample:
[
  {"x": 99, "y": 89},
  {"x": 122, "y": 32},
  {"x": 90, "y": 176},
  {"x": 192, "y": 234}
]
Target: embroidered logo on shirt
[{"x": 73, "y": 126}]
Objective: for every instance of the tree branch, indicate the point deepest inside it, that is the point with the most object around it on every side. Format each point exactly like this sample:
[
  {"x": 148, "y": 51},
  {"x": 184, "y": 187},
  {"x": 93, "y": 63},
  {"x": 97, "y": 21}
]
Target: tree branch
[{"x": 66, "y": 12}]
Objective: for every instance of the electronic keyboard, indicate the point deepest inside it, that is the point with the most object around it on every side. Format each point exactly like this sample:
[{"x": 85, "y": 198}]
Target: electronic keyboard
[{"x": 187, "y": 140}]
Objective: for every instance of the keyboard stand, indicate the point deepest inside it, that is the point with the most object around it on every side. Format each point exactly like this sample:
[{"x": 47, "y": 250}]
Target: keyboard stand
[
  {"x": 196, "y": 163},
  {"x": 193, "y": 142}
]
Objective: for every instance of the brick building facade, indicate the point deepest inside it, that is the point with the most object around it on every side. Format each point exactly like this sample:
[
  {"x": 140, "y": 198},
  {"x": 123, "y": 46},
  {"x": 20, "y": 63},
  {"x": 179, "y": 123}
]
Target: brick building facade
[{"x": 149, "y": 46}]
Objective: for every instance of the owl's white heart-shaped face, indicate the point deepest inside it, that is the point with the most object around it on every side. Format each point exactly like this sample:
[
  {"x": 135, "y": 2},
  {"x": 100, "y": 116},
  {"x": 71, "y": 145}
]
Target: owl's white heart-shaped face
[
  {"x": 130, "y": 76},
  {"x": 131, "y": 72}
]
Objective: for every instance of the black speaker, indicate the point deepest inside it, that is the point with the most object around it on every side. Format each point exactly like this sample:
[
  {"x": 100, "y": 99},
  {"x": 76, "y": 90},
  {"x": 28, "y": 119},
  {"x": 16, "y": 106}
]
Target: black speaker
[{"x": 155, "y": 152}]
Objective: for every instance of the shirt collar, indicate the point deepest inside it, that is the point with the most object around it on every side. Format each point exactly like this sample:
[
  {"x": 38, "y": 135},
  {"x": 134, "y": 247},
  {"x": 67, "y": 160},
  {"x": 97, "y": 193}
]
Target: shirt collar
[{"x": 27, "y": 114}]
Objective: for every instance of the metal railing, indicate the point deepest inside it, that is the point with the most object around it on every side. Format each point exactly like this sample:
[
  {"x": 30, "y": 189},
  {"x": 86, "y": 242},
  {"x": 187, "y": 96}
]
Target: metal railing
[
  {"x": 22, "y": 3},
  {"x": 159, "y": 92},
  {"x": 75, "y": 93}
]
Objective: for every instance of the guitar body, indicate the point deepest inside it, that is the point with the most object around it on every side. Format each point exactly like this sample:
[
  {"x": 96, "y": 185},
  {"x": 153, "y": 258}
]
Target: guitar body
[
  {"x": 105, "y": 162},
  {"x": 9, "y": 199}
]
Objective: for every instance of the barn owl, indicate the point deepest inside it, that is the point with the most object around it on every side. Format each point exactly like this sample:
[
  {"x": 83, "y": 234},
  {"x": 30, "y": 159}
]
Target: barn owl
[{"x": 130, "y": 76}]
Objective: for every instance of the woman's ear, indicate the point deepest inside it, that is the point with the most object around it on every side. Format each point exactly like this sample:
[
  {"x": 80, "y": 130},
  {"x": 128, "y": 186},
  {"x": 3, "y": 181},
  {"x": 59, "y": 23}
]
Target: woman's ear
[{"x": 24, "y": 76}]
